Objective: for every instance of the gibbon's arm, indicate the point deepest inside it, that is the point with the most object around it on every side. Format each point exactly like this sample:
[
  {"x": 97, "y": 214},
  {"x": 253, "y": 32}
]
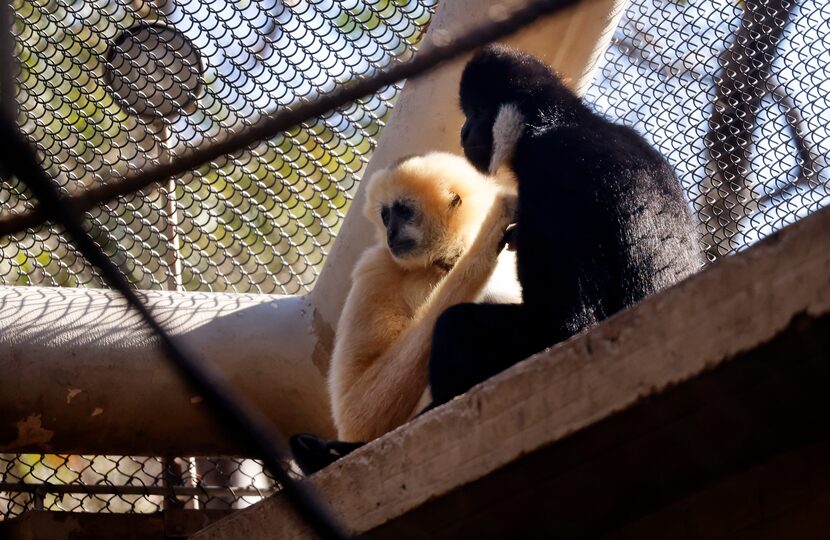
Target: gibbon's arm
[{"x": 382, "y": 361}]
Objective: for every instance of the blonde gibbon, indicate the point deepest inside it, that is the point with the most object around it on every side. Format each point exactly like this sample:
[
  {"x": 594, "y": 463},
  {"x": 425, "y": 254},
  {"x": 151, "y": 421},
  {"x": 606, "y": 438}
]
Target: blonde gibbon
[{"x": 440, "y": 224}]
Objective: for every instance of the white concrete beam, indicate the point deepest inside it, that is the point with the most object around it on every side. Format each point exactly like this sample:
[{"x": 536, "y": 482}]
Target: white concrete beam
[
  {"x": 427, "y": 115},
  {"x": 76, "y": 374},
  {"x": 79, "y": 374}
]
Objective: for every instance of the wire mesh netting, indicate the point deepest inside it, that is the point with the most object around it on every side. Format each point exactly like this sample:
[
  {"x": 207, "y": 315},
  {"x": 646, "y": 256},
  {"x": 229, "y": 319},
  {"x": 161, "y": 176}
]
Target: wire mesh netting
[
  {"x": 106, "y": 86},
  {"x": 78, "y": 483},
  {"x": 735, "y": 94}
]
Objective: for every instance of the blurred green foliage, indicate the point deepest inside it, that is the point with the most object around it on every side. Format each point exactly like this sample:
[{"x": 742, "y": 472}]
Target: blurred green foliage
[{"x": 259, "y": 221}]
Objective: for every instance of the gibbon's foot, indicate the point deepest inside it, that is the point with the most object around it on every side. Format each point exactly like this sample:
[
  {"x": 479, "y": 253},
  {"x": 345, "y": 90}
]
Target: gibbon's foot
[{"x": 313, "y": 453}]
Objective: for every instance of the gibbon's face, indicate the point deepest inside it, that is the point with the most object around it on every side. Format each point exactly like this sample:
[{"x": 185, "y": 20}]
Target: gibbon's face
[
  {"x": 484, "y": 88},
  {"x": 416, "y": 206},
  {"x": 477, "y": 136},
  {"x": 404, "y": 236}
]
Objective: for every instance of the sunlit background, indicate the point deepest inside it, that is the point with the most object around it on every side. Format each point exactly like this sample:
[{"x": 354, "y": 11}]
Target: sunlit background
[{"x": 264, "y": 219}]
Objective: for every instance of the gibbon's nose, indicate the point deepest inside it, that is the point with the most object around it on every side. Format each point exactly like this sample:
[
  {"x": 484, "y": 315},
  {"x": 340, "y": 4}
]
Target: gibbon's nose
[
  {"x": 392, "y": 234},
  {"x": 398, "y": 243}
]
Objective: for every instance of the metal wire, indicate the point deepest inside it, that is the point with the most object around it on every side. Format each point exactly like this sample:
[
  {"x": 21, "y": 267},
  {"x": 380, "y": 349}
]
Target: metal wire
[
  {"x": 262, "y": 220},
  {"x": 143, "y": 67},
  {"x": 79, "y": 483},
  {"x": 234, "y": 412},
  {"x": 236, "y": 415},
  {"x": 259, "y": 221},
  {"x": 269, "y": 126},
  {"x": 735, "y": 95}
]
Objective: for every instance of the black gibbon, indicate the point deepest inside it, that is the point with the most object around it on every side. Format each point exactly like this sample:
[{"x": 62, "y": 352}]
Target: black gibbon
[
  {"x": 440, "y": 224},
  {"x": 602, "y": 220}
]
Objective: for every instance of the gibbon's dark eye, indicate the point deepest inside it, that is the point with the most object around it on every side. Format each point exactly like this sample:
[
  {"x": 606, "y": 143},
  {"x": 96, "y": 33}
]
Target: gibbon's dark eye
[
  {"x": 403, "y": 211},
  {"x": 384, "y": 215}
]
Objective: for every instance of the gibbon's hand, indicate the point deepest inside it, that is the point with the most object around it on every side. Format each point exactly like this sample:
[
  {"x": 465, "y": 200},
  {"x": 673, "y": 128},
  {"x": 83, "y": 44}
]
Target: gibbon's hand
[
  {"x": 510, "y": 209},
  {"x": 506, "y": 206},
  {"x": 509, "y": 239}
]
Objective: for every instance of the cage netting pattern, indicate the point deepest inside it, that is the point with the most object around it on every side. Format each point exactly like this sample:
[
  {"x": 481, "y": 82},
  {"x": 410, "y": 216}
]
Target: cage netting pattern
[
  {"x": 735, "y": 94},
  {"x": 104, "y": 87}
]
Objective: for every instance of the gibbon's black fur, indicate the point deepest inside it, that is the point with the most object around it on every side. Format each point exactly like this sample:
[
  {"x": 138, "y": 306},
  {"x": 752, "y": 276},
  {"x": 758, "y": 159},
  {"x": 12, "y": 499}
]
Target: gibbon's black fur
[{"x": 602, "y": 220}]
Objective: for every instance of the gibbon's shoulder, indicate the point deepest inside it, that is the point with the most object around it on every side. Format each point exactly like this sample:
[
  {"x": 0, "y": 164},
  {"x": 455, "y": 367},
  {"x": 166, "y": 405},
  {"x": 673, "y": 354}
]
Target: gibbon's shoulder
[{"x": 611, "y": 154}]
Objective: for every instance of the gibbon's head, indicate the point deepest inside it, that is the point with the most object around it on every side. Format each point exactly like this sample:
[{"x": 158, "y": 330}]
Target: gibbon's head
[
  {"x": 428, "y": 208},
  {"x": 498, "y": 76}
]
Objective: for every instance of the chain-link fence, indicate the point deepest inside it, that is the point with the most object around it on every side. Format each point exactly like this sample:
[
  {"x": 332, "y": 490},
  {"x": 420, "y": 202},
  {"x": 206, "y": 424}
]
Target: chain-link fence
[
  {"x": 78, "y": 483},
  {"x": 107, "y": 87},
  {"x": 735, "y": 94}
]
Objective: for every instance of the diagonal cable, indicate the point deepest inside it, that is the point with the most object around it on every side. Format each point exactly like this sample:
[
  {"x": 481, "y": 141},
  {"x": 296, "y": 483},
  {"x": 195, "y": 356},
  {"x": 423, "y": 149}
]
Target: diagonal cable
[
  {"x": 273, "y": 125},
  {"x": 236, "y": 415},
  {"x": 239, "y": 418}
]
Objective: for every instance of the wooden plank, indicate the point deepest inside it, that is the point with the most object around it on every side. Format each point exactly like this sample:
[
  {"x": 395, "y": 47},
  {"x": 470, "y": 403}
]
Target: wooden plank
[
  {"x": 722, "y": 370},
  {"x": 744, "y": 412}
]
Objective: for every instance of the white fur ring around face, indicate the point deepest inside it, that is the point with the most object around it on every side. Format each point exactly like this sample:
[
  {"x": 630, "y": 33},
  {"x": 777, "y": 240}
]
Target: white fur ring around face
[{"x": 507, "y": 128}]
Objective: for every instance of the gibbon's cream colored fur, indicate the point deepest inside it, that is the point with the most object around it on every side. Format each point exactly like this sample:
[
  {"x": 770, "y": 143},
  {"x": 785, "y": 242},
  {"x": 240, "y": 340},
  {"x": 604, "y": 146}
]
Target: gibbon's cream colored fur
[{"x": 379, "y": 369}]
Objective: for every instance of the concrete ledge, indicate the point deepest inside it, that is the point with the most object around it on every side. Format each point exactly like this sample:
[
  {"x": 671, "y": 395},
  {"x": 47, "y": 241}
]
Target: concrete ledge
[{"x": 724, "y": 370}]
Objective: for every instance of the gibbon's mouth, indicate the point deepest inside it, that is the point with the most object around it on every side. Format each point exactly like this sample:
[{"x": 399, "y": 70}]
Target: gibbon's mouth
[
  {"x": 444, "y": 265},
  {"x": 402, "y": 247}
]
